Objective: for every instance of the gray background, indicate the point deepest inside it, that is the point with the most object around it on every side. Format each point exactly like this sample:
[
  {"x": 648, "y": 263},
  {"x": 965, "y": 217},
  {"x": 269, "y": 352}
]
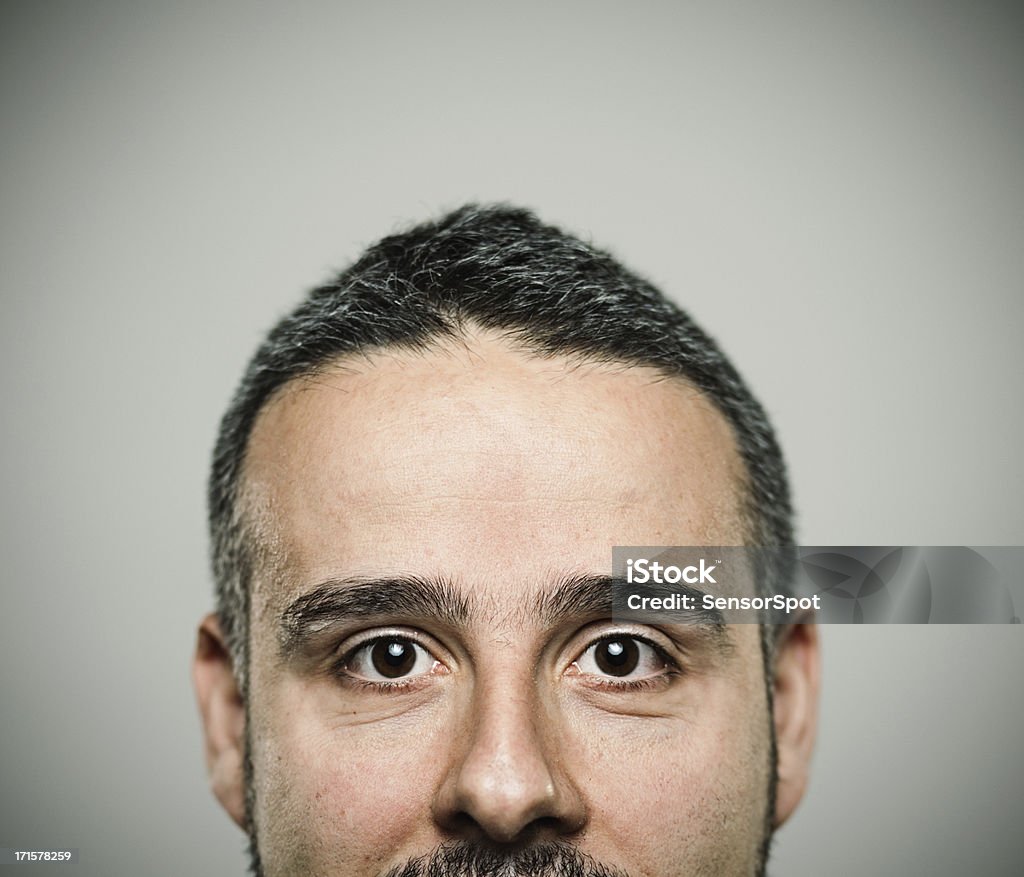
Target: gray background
[{"x": 836, "y": 191}]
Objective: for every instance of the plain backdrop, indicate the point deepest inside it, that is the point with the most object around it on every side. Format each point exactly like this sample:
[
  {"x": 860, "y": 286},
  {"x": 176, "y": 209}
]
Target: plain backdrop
[{"x": 834, "y": 191}]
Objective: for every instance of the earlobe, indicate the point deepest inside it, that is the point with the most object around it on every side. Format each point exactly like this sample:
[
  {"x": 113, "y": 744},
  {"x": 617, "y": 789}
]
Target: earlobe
[
  {"x": 223, "y": 715},
  {"x": 796, "y": 685}
]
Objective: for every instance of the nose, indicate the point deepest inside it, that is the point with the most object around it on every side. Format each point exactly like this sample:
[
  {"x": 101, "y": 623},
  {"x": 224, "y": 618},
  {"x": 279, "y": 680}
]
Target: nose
[{"x": 508, "y": 781}]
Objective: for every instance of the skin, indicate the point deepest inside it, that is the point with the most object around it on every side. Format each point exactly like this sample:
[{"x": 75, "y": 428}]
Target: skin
[{"x": 501, "y": 473}]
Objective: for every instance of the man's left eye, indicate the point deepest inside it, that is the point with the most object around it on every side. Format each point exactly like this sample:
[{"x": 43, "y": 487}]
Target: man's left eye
[{"x": 621, "y": 657}]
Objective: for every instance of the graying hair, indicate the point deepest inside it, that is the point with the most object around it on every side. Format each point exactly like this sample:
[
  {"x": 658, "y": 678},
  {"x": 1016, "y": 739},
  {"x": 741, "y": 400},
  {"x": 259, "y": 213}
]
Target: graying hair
[{"x": 498, "y": 268}]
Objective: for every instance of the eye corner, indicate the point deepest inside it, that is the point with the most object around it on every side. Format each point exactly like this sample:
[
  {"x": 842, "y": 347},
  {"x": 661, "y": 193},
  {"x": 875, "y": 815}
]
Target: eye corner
[
  {"x": 622, "y": 660},
  {"x": 388, "y": 660}
]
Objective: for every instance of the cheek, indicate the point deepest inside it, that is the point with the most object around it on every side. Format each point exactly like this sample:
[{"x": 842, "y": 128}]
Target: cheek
[
  {"x": 679, "y": 793},
  {"x": 339, "y": 798}
]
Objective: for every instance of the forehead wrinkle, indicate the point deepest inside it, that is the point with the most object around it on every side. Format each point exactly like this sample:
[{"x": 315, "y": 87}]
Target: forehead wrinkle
[
  {"x": 570, "y": 595},
  {"x": 490, "y": 611},
  {"x": 722, "y": 513}
]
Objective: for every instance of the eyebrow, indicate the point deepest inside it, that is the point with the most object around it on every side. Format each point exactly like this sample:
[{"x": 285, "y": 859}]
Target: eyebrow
[
  {"x": 439, "y": 600},
  {"x": 591, "y": 595},
  {"x": 339, "y": 599}
]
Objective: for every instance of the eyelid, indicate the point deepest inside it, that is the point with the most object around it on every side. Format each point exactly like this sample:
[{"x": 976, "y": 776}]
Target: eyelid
[
  {"x": 672, "y": 666},
  {"x": 373, "y": 634},
  {"x": 366, "y": 638},
  {"x": 601, "y": 631}
]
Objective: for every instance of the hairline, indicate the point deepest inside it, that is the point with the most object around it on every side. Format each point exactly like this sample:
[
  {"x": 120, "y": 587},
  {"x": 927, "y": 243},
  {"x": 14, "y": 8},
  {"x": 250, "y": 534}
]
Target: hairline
[
  {"x": 543, "y": 289},
  {"x": 256, "y": 553}
]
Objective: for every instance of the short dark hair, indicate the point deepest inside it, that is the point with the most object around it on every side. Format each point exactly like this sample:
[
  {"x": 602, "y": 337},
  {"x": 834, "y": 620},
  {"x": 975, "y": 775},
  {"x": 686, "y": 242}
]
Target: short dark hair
[{"x": 499, "y": 268}]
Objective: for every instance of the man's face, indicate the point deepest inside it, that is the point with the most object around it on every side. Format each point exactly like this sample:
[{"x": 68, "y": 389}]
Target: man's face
[{"x": 429, "y": 665}]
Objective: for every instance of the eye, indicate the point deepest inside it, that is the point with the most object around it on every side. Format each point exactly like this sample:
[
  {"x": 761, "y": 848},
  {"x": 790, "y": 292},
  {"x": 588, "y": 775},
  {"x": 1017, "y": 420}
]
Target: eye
[
  {"x": 389, "y": 658},
  {"x": 621, "y": 657}
]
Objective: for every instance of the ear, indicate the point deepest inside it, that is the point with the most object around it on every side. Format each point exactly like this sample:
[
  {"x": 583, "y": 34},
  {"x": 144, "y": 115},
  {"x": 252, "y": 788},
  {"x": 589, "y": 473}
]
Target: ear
[
  {"x": 223, "y": 715},
  {"x": 796, "y": 684}
]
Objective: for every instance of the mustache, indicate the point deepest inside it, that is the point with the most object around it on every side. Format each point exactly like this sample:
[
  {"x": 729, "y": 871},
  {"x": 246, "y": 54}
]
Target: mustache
[{"x": 550, "y": 859}]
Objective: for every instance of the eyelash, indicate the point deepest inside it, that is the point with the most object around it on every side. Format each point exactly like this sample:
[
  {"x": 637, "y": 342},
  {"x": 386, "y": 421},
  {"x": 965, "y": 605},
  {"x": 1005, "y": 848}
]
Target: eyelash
[
  {"x": 396, "y": 687},
  {"x": 671, "y": 672},
  {"x": 340, "y": 668}
]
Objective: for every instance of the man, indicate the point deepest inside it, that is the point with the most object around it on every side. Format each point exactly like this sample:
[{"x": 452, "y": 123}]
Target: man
[{"x": 413, "y": 668}]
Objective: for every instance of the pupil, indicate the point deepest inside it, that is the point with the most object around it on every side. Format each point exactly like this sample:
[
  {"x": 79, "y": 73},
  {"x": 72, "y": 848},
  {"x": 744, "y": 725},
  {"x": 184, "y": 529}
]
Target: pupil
[
  {"x": 393, "y": 658},
  {"x": 618, "y": 657}
]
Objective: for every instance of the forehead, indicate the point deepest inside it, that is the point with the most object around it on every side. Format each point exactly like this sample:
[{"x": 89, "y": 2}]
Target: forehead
[{"x": 481, "y": 463}]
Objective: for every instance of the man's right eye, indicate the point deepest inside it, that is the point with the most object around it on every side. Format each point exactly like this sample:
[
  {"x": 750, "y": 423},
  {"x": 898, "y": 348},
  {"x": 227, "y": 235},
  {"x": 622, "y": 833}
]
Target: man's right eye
[{"x": 389, "y": 659}]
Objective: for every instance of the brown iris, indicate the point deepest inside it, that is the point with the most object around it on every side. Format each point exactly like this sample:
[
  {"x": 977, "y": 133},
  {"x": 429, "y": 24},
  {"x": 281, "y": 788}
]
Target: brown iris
[
  {"x": 393, "y": 657},
  {"x": 617, "y": 657}
]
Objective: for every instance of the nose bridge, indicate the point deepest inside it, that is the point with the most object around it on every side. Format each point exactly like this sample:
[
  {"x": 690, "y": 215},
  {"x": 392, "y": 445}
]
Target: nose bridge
[
  {"x": 507, "y": 744},
  {"x": 509, "y": 773}
]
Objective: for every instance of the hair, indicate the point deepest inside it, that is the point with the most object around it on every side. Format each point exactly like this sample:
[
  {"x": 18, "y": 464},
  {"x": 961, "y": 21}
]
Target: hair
[{"x": 498, "y": 268}]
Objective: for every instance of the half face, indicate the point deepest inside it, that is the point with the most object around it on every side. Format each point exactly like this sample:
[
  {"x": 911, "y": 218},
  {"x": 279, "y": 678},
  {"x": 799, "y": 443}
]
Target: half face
[{"x": 432, "y": 659}]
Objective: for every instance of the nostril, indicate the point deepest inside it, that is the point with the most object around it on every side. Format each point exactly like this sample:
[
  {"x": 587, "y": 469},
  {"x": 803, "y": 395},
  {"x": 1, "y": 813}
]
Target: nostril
[
  {"x": 543, "y": 829},
  {"x": 465, "y": 826},
  {"x": 505, "y": 784}
]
